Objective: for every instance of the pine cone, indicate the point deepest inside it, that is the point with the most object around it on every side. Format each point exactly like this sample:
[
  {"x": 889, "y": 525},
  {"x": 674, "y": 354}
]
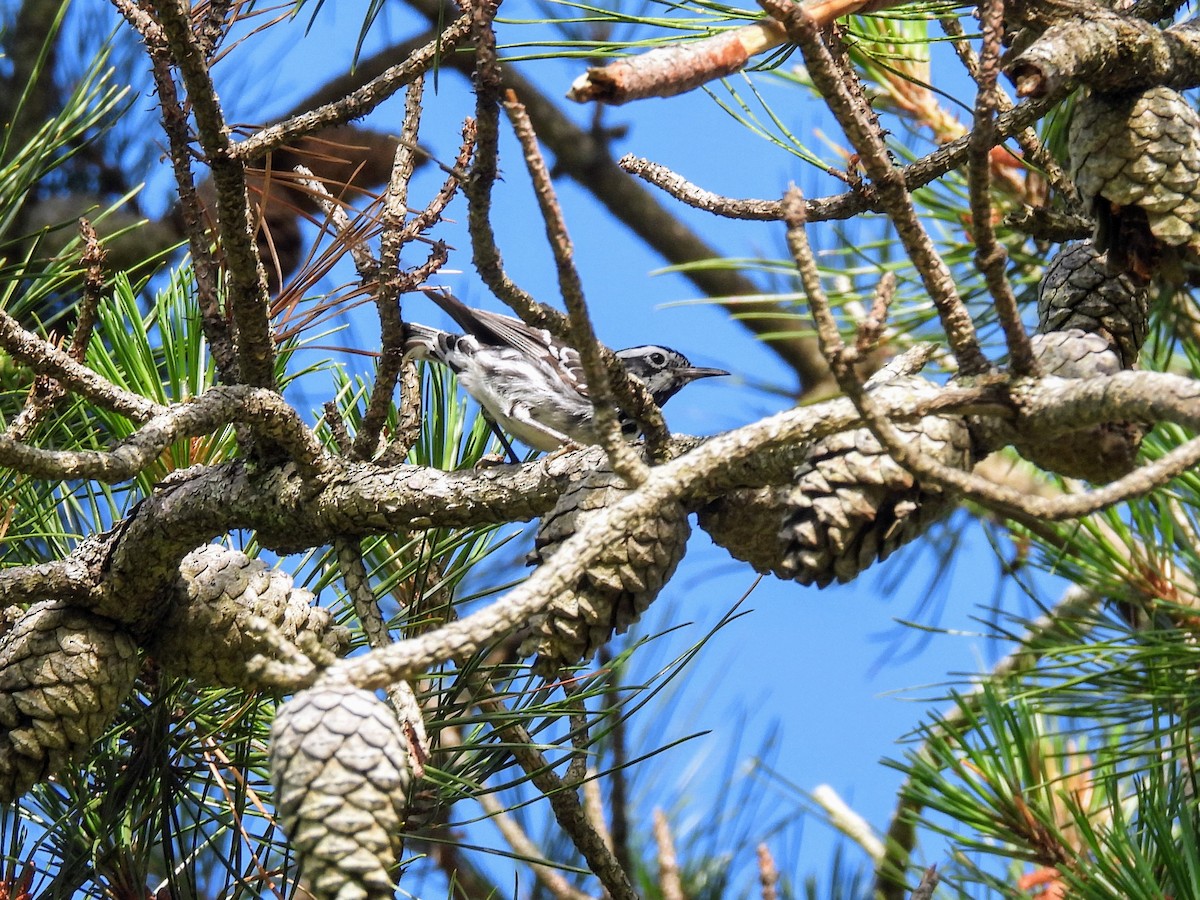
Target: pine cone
[
  {"x": 63, "y": 674},
  {"x": 849, "y": 505},
  {"x": 207, "y": 634},
  {"x": 619, "y": 585},
  {"x": 1136, "y": 157},
  {"x": 340, "y": 767},
  {"x": 1101, "y": 453},
  {"x": 1077, "y": 292}
]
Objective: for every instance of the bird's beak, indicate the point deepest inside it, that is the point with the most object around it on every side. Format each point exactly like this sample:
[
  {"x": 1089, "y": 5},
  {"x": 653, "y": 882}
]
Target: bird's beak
[{"x": 691, "y": 373}]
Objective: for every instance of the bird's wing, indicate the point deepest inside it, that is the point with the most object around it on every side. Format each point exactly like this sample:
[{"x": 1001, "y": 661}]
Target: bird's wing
[{"x": 496, "y": 329}]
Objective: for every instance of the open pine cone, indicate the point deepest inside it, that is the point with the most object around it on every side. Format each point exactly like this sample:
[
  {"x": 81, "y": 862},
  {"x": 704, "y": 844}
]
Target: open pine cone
[
  {"x": 63, "y": 674},
  {"x": 618, "y": 587},
  {"x": 1136, "y": 158},
  {"x": 208, "y": 636},
  {"x": 1091, "y": 322},
  {"x": 849, "y": 505}
]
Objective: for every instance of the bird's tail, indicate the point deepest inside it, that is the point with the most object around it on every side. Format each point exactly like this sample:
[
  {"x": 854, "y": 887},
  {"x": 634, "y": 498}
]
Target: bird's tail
[{"x": 462, "y": 314}]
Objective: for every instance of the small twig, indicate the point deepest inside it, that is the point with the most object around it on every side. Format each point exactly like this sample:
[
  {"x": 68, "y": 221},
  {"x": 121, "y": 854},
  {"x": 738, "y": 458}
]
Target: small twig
[
  {"x": 431, "y": 214},
  {"x": 930, "y": 167},
  {"x": 768, "y": 873},
  {"x": 929, "y": 882},
  {"x": 580, "y": 736},
  {"x": 246, "y": 280},
  {"x": 990, "y": 256},
  {"x": 593, "y": 805},
  {"x": 364, "y": 260},
  {"x": 485, "y": 254},
  {"x": 401, "y": 694},
  {"x": 46, "y": 393},
  {"x": 564, "y": 802},
  {"x": 93, "y": 290},
  {"x": 1051, "y": 225},
  {"x": 337, "y": 426},
  {"x": 871, "y": 329},
  {"x": 843, "y": 95},
  {"x": 176, "y": 126},
  {"x": 212, "y": 26},
  {"x": 215, "y": 408},
  {"x": 676, "y": 68},
  {"x": 360, "y": 101},
  {"x": 46, "y": 359},
  {"x": 600, "y": 377},
  {"x": 408, "y": 428},
  {"x": 388, "y": 289},
  {"x": 669, "y": 882},
  {"x": 697, "y": 197},
  {"x": 358, "y": 588},
  {"x": 387, "y": 284}
]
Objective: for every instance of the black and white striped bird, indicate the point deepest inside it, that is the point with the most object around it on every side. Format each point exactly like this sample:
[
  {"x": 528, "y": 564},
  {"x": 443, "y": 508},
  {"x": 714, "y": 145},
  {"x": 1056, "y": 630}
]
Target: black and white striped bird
[{"x": 532, "y": 384}]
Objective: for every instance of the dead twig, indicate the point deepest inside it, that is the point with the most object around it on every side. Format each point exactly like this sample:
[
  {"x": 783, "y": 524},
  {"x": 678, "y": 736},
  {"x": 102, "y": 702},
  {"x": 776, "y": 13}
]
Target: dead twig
[
  {"x": 842, "y": 92},
  {"x": 990, "y": 256},
  {"x": 603, "y": 372}
]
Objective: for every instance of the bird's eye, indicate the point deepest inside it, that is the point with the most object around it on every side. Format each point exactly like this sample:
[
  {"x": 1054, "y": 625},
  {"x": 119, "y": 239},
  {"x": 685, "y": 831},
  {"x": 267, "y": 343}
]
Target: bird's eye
[{"x": 658, "y": 359}]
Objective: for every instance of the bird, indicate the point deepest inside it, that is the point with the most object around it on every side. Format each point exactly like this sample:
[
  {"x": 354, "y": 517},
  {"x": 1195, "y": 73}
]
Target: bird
[{"x": 530, "y": 383}]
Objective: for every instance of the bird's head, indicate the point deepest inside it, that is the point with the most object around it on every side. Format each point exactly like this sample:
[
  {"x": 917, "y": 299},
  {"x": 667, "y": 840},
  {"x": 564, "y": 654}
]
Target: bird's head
[{"x": 663, "y": 370}]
